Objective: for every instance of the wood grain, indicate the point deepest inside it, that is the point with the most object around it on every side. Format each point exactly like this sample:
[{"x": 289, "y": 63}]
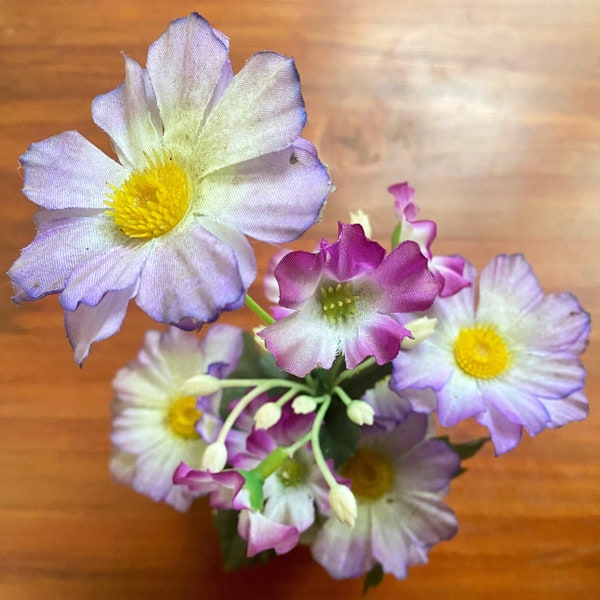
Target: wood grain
[{"x": 491, "y": 109}]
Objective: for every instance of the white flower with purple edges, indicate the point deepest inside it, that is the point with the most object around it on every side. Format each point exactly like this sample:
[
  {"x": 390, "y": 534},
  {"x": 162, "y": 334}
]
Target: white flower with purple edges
[
  {"x": 205, "y": 159},
  {"x": 510, "y": 359},
  {"x": 155, "y": 425},
  {"x": 447, "y": 270},
  {"x": 399, "y": 479},
  {"x": 343, "y": 297}
]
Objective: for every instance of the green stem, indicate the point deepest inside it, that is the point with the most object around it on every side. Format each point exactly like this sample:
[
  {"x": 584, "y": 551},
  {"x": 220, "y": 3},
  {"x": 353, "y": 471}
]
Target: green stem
[
  {"x": 342, "y": 395},
  {"x": 316, "y": 445},
  {"x": 259, "y": 310},
  {"x": 291, "y": 450},
  {"x": 272, "y": 462}
]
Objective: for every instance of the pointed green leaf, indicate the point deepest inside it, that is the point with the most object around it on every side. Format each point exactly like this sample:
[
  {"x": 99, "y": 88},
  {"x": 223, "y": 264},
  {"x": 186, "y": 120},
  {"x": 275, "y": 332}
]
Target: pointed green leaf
[{"x": 373, "y": 578}]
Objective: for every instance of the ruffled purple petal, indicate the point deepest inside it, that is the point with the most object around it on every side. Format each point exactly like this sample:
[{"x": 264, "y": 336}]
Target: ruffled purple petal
[
  {"x": 185, "y": 65},
  {"x": 504, "y": 433},
  {"x": 405, "y": 283},
  {"x": 45, "y": 265},
  {"x": 403, "y": 201},
  {"x": 263, "y": 533},
  {"x": 67, "y": 171},
  {"x": 89, "y": 324},
  {"x": 448, "y": 272},
  {"x": 262, "y": 111},
  {"x": 189, "y": 274},
  {"x": 130, "y": 116},
  {"x": 260, "y": 197},
  {"x": 458, "y": 399}
]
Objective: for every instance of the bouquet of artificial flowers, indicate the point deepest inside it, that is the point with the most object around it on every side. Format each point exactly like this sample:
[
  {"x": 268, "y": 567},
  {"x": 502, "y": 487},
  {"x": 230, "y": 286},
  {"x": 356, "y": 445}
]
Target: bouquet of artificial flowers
[{"x": 315, "y": 428}]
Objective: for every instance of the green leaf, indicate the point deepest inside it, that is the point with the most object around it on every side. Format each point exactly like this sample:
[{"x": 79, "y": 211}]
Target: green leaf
[
  {"x": 396, "y": 235},
  {"x": 254, "y": 485},
  {"x": 373, "y": 578},
  {"x": 465, "y": 450},
  {"x": 234, "y": 548},
  {"x": 339, "y": 435}
]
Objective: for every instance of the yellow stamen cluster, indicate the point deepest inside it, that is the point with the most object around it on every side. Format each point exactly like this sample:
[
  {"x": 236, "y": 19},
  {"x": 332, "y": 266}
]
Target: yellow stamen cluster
[
  {"x": 338, "y": 304},
  {"x": 371, "y": 474},
  {"x": 182, "y": 417},
  {"x": 480, "y": 352},
  {"x": 291, "y": 473},
  {"x": 151, "y": 201}
]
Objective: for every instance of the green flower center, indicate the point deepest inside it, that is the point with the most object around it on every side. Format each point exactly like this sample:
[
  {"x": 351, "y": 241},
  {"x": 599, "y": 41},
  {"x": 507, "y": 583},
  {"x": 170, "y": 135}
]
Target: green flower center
[
  {"x": 339, "y": 303},
  {"x": 291, "y": 473}
]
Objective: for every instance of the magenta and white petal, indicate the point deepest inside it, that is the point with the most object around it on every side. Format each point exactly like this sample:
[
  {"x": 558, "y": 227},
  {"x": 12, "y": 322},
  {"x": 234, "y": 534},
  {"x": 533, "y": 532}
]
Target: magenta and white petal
[
  {"x": 262, "y": 111},
  {"x": 185, "y": 65},
  {"x": 202, "y": 277},
  {"x": 130, "y": 116},
  {"x": 45, "y": 265},
  {"x": 448, "y": 272},
  {"x": 298, "y": 344},
  {"x": 293, "y": 507},
  {"x": 89, "y": 324},
  {"x": 68, "y": 171},
  {"x": 262, "y": 533},
  {"x": 260, "y": 197},
  {"x": 298, "y": 275}
]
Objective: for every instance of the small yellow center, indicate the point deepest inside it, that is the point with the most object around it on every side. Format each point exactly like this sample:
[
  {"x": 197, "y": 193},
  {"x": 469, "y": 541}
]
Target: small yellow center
[
  {"x": 371, "y": 474},
  {"x": 183, "y": 416},
  {"x": 151, "y": 201},
  {"x": 291, "y": 473},
  {"x": 338, "y": 303},
  {"x": 480, "y": 352}
]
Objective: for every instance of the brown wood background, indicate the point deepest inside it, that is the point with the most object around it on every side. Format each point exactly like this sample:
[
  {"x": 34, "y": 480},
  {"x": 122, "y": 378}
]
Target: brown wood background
[{"x": 490, "y": 108}]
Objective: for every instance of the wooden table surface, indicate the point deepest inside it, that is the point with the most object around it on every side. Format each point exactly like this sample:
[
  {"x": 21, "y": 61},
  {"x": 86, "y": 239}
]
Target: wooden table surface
[{"x": 490, "y": 108}]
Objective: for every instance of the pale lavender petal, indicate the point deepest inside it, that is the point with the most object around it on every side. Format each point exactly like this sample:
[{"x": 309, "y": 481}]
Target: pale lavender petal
[
  {"x": 508, "y": 290},
  {"x": 573, "y": 408},
  {"x": 223, "y": 344},
  {"x": 264, "y": 534},
  {"x": 391, "y": 545},
  {"x": 405, "y": 282},
  {"x": 262, "y": 111},
  {"x": 298, "y": 344},
  {"x": 425, "y": 365},
  {"x": 504, "y": 433},
  {"x": 185, "y": 65},
  {"x": 68, "y": 171},
  {"x": 291, "y": 507},
  {"x": 89, "y": 324},
  {"x": 189, "y": 274},
  {"x": 45, "y": 265},
  {"x": 115, "y": 269},
  {"x": 261, "y": 197},
  {"x": 130, "y": 116},
  {"x": 459, "y": 399},
  {"x": 400, "y": 440}
]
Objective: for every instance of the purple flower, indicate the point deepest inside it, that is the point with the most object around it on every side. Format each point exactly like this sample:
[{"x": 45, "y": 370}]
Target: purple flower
[
  {"x": 447, "y": 270},
  {"x": 342, "y": 297},
  {"x": 511, "y": 360},
  {"x": 205, "y": 159},
  {"x": 399, "y": 479}
]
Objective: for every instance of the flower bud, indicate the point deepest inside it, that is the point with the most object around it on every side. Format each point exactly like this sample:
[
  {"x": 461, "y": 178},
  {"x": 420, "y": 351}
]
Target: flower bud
[
  {"x": 343, "y": 504},
  {"x": 267, "y": 415},
  {"x": 360, "y": 412},
  {"x": 303, "y": 404},
  {"x": 200, "y": 385},
  {"x": 215, "y": 457},
  {"x": 420, "y": 329}
]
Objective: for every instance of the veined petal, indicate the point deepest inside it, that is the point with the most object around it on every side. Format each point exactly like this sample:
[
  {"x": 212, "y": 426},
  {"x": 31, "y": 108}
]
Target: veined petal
[
  {"x": 459, "y": 399},
  {"x": 185, "y": 65},
  {"x": 261, "y": 112},
  {"x": 260, "y": 197},
  {"x": 45, "y": 265},
  {"x": 425, "y": 365},
  {"x": 298, "y": 275},
  {"x": 89, "y": 324},
  {"x": 573, "y": 408},
  {"x": 263, "y": 534},
  {"x": 116, "y": 269},
  {"x": 202, "y": 277},
  {"x": 130, "y": 116},
  {"x": 68, "y": 171}
]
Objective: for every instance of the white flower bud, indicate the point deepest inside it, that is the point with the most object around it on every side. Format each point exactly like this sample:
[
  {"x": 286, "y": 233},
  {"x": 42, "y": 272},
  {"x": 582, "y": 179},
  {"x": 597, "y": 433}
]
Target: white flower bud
[
  {"x": 303, "y": 404},
  {"x": 200, "y": 385},
  {"x": 420, "y": 329},
  {"x": 343, "y": 504},
  {"x": 360, "y": 412},
  {"x": 267, "y": 415},
  {"x": 215, "y": 457}
]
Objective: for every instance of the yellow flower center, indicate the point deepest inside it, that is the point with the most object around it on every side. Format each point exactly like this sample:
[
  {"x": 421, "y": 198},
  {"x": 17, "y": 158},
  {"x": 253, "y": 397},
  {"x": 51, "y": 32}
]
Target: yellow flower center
[
  {"x": 291, "y": 473},
  {"x": 183, "y": 416},
  {"x": 480, "y": 352},
  {"x": 371, "y": 474},
  {"x": 338, "y": 304},
  {"x": 151, "y": 201}
]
